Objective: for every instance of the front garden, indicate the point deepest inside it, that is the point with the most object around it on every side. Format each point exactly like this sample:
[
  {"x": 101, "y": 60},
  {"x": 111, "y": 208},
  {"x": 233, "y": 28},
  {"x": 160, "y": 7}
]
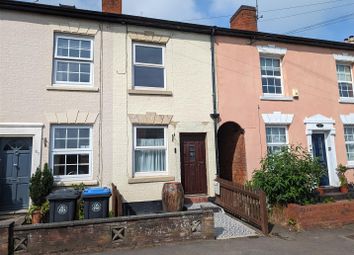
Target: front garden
[{"x": 291, "y": 181}]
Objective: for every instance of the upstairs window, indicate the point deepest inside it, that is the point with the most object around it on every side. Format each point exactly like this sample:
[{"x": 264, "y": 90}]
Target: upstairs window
[
  {"x": 73, "y": 60},
  {"x": 349, "y": 143},
  {"x": 149, "y": 66},
  {"x": 277, "y": 138},
  {"x": 271, "y": 76},
  {"x": 345, "y": 81}
]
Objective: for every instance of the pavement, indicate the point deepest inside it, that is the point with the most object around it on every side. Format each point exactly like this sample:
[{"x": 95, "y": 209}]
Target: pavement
[{"x": 280, "y": 241}]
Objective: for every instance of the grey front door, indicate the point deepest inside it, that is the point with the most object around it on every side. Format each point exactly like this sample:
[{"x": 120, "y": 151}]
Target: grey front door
[
  {"x": 319, "y": 152},
  {"x": 15, "y": 172}
]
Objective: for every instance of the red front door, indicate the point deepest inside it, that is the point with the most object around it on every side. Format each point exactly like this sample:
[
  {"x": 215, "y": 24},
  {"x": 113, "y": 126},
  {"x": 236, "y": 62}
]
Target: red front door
[{"x": 193, "y": 167}]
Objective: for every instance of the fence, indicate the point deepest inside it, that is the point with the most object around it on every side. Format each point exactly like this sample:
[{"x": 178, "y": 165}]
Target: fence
[{"x": 244, "y": 202}]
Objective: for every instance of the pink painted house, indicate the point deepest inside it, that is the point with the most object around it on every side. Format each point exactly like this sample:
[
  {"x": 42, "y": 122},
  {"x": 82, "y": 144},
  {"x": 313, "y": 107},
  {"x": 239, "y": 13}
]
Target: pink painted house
[{"x": 274, "y": 91}]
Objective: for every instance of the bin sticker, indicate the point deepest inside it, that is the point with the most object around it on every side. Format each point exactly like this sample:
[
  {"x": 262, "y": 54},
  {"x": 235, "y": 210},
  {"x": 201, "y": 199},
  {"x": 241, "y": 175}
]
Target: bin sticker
[
  {"x": 62, "y": 209},
  {"x": 96, "y": 206}
]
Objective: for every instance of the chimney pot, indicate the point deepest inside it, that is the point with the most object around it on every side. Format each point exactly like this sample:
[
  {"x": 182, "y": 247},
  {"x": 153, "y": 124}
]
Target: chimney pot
[
  {"x": 245, "y": 18},
  {"x": 112, "y": 6}
]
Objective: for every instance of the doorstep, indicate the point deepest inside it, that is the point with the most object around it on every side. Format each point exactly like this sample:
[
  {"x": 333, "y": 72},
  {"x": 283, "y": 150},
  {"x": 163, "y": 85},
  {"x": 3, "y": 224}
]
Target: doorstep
[{"x": 197, "y": 198}]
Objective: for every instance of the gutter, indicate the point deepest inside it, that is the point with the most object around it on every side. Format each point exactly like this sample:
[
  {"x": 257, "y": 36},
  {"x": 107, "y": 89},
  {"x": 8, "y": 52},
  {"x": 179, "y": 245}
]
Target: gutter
[{"x": 215, "y": 115}]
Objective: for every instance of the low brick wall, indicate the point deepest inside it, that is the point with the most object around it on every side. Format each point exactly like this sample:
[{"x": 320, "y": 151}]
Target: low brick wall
[
  {"x": 326, "y": 215},
  {"x": 6, "y": 236},
  {"x": 100, "y": 234}
]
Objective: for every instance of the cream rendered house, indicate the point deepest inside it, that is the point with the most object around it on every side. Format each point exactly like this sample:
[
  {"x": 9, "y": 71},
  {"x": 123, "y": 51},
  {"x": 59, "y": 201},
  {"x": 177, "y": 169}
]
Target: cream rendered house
[{"x": 103, "y": 98}]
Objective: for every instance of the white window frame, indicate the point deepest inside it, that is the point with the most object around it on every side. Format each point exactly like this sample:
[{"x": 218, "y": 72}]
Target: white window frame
[
  {"x": 162, "y": 66},
  {"x": 73, "y": 60},
  {"x": 349, "y": 162},
  {"x": 54, "y": 151},
  {"x": 286, "y": 136},
  {"x": 339, "y": 81},
  {"x": 135, "y": 147},
  {"x": 271, "y": 76}
]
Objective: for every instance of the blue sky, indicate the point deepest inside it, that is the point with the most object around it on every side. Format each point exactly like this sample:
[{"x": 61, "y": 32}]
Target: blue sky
[{"x": 335, "y": 18}]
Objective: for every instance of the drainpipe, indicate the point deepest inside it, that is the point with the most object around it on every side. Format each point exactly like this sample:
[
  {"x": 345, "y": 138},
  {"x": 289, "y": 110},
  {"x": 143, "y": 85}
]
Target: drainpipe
[{"x": 215, "y": 115}]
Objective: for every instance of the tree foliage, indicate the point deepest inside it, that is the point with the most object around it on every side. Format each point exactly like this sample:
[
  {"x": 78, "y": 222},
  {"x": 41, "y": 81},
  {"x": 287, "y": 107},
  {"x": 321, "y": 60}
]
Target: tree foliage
[{"x": 289, "y": 176}]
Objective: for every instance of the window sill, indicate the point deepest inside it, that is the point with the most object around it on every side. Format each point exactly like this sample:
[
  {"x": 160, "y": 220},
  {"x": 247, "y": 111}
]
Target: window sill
[
  {"x": 69, "y": 183},
  {"x": 346, "y": 100},
  {"x": 72, "y": 88},
  {"x": 151, "y": 179},
  {"x": 276, "y": 98},
  {"x": 150, "y": 92}
]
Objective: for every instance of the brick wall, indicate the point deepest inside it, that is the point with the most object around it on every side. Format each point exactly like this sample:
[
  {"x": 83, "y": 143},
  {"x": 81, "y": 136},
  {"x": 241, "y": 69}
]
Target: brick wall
[
  {"x": 318, "y": 216},
  {"x": 6, "y": 230},
  {"x": 121, "y": 232}
]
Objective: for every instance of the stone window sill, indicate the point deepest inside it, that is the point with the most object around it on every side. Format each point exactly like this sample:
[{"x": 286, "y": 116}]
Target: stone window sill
[
  {"x": 150, "y": 92},
  {"x": 64, "y": 183},
  {"x": 276, "y": 98},
  {"x": 73, "y": 88},
  {"x": 151, "y": 179},
  {"x": 346, "y": 100}
]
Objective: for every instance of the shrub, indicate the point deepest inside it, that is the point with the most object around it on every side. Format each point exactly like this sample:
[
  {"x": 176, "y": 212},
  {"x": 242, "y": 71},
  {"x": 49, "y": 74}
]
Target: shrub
[
  {"x": 41, "y": 185},
  {"x": 289, "y": 176}
]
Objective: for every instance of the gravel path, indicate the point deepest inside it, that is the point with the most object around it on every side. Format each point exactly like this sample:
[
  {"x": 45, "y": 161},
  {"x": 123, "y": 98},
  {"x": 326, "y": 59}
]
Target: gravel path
[{"x": 226, "y": 226}]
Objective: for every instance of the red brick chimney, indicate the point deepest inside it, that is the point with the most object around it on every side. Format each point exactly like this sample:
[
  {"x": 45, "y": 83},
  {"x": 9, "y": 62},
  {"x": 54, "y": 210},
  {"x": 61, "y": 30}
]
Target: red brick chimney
[
  {"x": 112, "y": 6},
  {"x": 245, "y": 18}
]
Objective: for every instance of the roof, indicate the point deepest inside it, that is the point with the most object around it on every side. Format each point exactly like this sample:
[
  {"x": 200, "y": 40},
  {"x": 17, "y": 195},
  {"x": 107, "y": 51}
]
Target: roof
[{"x": 166, "y": 24}]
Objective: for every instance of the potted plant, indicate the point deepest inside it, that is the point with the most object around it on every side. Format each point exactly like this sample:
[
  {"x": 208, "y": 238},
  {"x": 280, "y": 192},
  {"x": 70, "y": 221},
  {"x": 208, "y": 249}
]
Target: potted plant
[
  {"x": 41, "y": 185},
  {"x": 341, "y": 170}
]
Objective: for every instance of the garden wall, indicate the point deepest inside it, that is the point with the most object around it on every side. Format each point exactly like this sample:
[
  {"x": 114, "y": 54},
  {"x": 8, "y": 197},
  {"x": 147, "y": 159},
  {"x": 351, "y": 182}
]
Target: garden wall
[
  {"x": 100, "y": 234},
  {"x": 326, "y": 215}
]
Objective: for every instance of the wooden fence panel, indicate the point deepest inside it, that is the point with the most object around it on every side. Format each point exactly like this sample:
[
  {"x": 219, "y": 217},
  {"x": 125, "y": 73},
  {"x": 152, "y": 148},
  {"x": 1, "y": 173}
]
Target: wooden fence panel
[
  {"x": 244, "y": 202},
  {"x": 117, "y": 202}
]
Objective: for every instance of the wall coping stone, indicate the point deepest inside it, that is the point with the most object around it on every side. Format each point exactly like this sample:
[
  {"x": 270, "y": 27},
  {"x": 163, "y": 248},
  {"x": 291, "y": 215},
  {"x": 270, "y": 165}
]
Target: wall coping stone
[{"x": 110, "y": 220}]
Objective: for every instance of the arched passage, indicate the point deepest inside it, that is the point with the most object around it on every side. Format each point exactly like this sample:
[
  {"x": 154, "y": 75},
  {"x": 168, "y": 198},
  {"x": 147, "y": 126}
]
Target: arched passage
[{"x": 232, "y": 153}]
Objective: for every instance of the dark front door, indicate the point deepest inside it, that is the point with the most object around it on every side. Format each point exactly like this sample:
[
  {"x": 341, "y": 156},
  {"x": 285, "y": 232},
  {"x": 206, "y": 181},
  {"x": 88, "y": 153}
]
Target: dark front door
[
  {"x": 15, "y": 172},
  {"x": 193, "y": 167},
  {"x": 319, "y": 152}
]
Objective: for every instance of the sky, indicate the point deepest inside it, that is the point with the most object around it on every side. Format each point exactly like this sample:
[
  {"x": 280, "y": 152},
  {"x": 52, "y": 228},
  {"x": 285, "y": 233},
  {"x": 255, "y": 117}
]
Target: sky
[{"x": 322, "y": 19}]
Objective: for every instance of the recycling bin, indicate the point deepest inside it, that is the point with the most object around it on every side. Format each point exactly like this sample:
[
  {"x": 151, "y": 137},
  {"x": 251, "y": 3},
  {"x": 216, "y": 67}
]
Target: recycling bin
[
  {"x": 62, "y": 205},
  {"x": 96, "y": 202}
]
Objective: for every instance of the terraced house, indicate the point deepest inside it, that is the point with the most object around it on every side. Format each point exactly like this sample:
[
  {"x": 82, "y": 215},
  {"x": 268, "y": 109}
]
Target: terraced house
[
  {"x": 290, "y": 90},
  {"x": 110, "y": 98},
  {"x": 103, "y": 97}
]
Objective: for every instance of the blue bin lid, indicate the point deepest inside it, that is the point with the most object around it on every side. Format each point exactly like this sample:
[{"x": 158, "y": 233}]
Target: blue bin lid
[{"x": 97, "y": 191}]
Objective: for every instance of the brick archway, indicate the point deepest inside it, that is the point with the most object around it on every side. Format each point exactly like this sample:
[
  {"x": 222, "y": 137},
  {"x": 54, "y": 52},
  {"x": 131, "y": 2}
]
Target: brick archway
[{"x": 232, "y": 153}]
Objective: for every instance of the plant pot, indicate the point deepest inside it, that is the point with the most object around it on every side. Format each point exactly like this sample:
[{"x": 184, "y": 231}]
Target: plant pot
[
  {"x": 36, "y": 217},
  {"x": 344, "y": 189},
  {"x": 172, "y": 197},
  {"x": 320, "y": 191}
]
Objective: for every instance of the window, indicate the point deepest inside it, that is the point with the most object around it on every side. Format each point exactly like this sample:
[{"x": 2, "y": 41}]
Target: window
[
  {"x": 71, "y": 151},
  {"x": 345, "y": 82},
  {"x": 149, "y": 69},
  {"x": 276, "y": 138},
  {"x": 73, "y": 60},
  {"x": 271, "y": 76},
  {"x": 150, "y": 150},
  {"x": 349, "y": 143}
]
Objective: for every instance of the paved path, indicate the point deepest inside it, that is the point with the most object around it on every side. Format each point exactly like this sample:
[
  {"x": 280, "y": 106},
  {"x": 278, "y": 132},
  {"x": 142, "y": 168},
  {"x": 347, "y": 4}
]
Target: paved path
[
  {"x": 281, "y": 242},
  {"x": 226, "y": 226}
]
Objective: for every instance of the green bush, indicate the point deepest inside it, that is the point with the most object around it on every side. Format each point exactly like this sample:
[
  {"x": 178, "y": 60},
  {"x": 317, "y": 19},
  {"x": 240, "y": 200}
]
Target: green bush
[
  {"x": 41, "y": 185},
  {"x": 289, "y": 176}
]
